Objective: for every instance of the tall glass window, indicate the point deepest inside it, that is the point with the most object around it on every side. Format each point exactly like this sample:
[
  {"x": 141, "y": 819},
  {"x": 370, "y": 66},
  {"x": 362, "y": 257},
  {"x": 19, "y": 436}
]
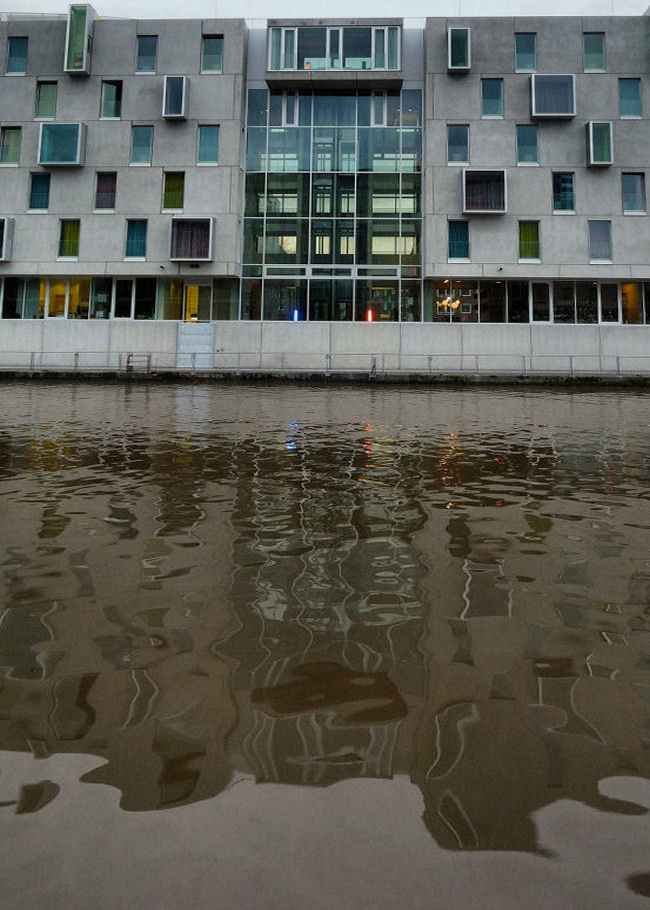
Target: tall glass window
[
  {"x": 458, "y": 144},
  {"x": 529, "y": 240},
  {"x": 45, "y": 107},
  {"x": 69, "y": 238},
  {"x": 458, "y": 240},
  {"x": 527, "y": 144},
  {"x": 136, "y": 239},
  {"x": 141, "y": 144},
  {"x": 563, "y": 193},
  {"x": 525, "y": 51},
  {"x": 629, "y": 97},
  {"x": 334, "y": 47},
  {"x": 10, "y": 145},
  {"x": 208, "y": 151},
  {"x": 212, "y": 54},
  {"x": 39, "y": 191},
  {"x": 17, "y": 55},
  {"x": 491, "y": 97},
  {"x": 633, "y": 186},
  {"x": 147, "y": 51},
  {"x": 594, "y": 51},
  {"x": 600, "y": 240}
]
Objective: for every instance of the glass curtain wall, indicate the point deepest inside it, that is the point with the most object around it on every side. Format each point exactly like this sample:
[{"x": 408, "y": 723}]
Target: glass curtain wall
[{"x": 333, "y": 205}]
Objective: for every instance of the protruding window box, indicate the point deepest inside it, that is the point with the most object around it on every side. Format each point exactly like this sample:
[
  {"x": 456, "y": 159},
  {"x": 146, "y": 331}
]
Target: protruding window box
[
  {"x": 484, "y": 192},
  {"x": 552, "y": 97},
  {"x": 190, "y": 239},
  {"x": 175, "y": 97},
  {"x": 6, "y": 239},
  {"x": 62, "y": 144},
  {"x": 79, "y": 39},
  {"x": 458, "y": 50},
  {"x": 600, "y": 147}
]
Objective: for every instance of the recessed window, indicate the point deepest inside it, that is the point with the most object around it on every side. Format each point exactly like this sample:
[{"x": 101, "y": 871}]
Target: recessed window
[
  {"x": 599, "y": 143},
  {"x": 484, "y": 192},
  {"x": 69, "y": 238},
  {"x": 111, "y": 100},
  {"x": 105, "y": 190},
  {"x": 563, "y": 192},
  {"x": 62, "y": 144},
  {"x": 10, "y": 145},
  {"x": 552, "y": 96},
  {"x": 594, "y": 51},
  {"x": 525, "y": 51},
  {"x": 173, "y": 190},
  {"x": 600, "y": 240},
  {"x": 527, "y": 144},
  {"x": 191, "y": 239},
  {"x": 147, "y": 50},
  {"x": 633, "y": 187},
  {"x": 45, "y": 106},
  {"x": 629, "y": 97},
  {"x": 136, "y": 239},
  {"x": 6, "y": 240},
  {"x": 175, "y": 97},
  {"x": 208, "y": 144},
  {"x": 141, "y": 144},
  {"x": 458, "y": 143},
  {"x": 212, "y": 54},
  {"x": 458, "y": 247},
  {"x": 334, "y": 48},
  {"x": 458, "y": 49},
  {"x": 17, "y": 56},
  {"x": 529, "y": 240},
  {"x": 39, "y": 191},
  {"x": 491, "y": 97}
]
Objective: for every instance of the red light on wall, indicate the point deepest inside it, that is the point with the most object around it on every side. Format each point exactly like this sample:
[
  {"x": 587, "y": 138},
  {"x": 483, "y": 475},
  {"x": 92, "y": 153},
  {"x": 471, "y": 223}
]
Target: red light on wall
[{"x": 369, "y": 315}]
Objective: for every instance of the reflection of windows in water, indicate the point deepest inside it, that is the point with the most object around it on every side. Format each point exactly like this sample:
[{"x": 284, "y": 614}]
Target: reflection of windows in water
[{"x": 487, "y": 590}]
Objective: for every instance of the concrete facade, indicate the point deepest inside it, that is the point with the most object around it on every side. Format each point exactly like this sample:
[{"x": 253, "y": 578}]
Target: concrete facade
[{"x": 106, "y": 308}]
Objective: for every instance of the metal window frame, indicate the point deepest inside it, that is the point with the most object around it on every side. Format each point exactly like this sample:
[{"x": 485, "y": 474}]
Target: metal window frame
[
  {"x": 450, "y": 66},
  {"x": 182, "y": 114},
  {"x": 533, "y": 96},
  {"x": 81, "y": 144}
]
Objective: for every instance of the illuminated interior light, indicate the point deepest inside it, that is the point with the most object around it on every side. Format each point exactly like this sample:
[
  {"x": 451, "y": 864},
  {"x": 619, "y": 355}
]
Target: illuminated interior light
[
  {"x": 295, "y": 316},
  {"x": 369, "y": 315}
]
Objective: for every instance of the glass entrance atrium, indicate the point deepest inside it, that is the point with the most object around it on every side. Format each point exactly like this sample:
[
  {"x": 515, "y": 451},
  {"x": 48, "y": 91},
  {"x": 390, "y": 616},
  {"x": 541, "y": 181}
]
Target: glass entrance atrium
[{"x": 333, "y": 215}]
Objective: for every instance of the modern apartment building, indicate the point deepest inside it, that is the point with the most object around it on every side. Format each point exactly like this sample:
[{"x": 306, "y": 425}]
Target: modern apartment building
[{"x": 471, "y": 183}]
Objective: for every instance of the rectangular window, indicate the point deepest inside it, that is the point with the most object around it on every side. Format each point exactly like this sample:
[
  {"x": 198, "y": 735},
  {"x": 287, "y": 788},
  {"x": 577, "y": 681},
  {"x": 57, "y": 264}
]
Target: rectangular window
[
  {"x": 491, "y": 97},
  {"x": 45, "y": 107},
  {"x": 629, "y": 97},
  {"x": 599, "y": 143},
  {"x": 527, "y": 144},
  {"x": 111, "y": 100},
  {"x": 458, "y": 240},
  {"x": 78, "y": 40},
  {"x": 191, "y": 238},
  {"x": 458, "y": 143},
  {"x": 633, "y": 186},
  {"x": 212, "y": 54},
  {"x": 10, "y": 145},
  {"x": 141, "y": 144},
  {"x": 105, "y": 190},
  {"x": 458, "y": 49},
  {"x": 552, "y": 96},
  {"x": 62, "y": 144},
  {"x": 484, "y": 191},
  {"x": 529, "y": 240},
  {"x": 69, "y": 238},
  {"x": 147, "y": 51},
  {"x": 563, "y": 193},
  {"x": 525, "y": 51},
  {"x": 208, "y": 150},
  {"x": 175, "y": 97},
  {"x": 600, "y": 240},
  {"x": 39, "y": 191},
  {"x": 594, "y": 51},
  {"x": 136, "y": 239},
  {"x": 173, "y": 190},
  {"x": 17, "y": 56}
]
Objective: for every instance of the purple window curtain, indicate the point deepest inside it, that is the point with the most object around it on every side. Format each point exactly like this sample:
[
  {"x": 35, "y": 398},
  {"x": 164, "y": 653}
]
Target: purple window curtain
[
  {"x": 106, "y": 185},
  {"x": 191, "y": 239}
]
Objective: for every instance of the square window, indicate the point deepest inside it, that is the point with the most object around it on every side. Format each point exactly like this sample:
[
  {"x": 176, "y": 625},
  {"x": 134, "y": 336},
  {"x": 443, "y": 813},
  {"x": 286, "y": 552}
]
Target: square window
[
  {"x": 629, "y": 97},
  {"x": 491, "y": 97},
  {"x": 105, "y": 190},
  {"x": 600, "y": 240},
  {"x": 62, "y": 144},
  {"x": 69, "y": 238},
  {"x": 191, "y": 238},
  {"x": 563, "y": 193},
  {"x": 147, "y": 51},
  {"x": 527, "y": 144},
  {"x": 594, "y": 51},
  {"x": 633, "y": 187},
  {"x": 45, "y": 106},
  {"x": 484, "y": 191},
  {"x": 458, "y": 246},
  {"x": 458, "y": 143},
  {"x": 136, "y": 239},
  {"x": 141, "y": 144},
  {"x": 208, "y": 145},
  {"x": 17, "y": 56},
  {"x": 10, "y": 145},
  {"x": 111, "y": 100},
  {"x": 212, "y": 54},
  {"x": 525, "y": 51},
  {"x": 39, "y": 191},
  {"x": 552, "y": 96},
  {"x": 529, "y": 240},
  {"x": 173, "y": 190}
]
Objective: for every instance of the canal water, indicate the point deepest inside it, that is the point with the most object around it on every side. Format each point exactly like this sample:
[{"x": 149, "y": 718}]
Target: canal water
[{"x": 286, "y": 646}]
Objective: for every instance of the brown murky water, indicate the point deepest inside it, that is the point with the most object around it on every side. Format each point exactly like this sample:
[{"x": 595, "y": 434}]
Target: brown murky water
[{"x": 292, "y": 646}]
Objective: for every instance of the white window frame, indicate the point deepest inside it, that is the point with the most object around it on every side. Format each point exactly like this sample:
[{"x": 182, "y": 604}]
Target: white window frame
[
  {"x": 485, "y": 170},
  {"x": 533, "y": 90},
  {"x": 183, "y": 112},
  {"x": 7, "y": 246},
  {"x": 329, "y": 30},
  {"x": 459, "y": 69},
  {"x": 84, "y": 69},
  {"x": 81, "y": 144},
  {"x": 590, "y": 143},
  {"x": 177, "y": 218}
]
